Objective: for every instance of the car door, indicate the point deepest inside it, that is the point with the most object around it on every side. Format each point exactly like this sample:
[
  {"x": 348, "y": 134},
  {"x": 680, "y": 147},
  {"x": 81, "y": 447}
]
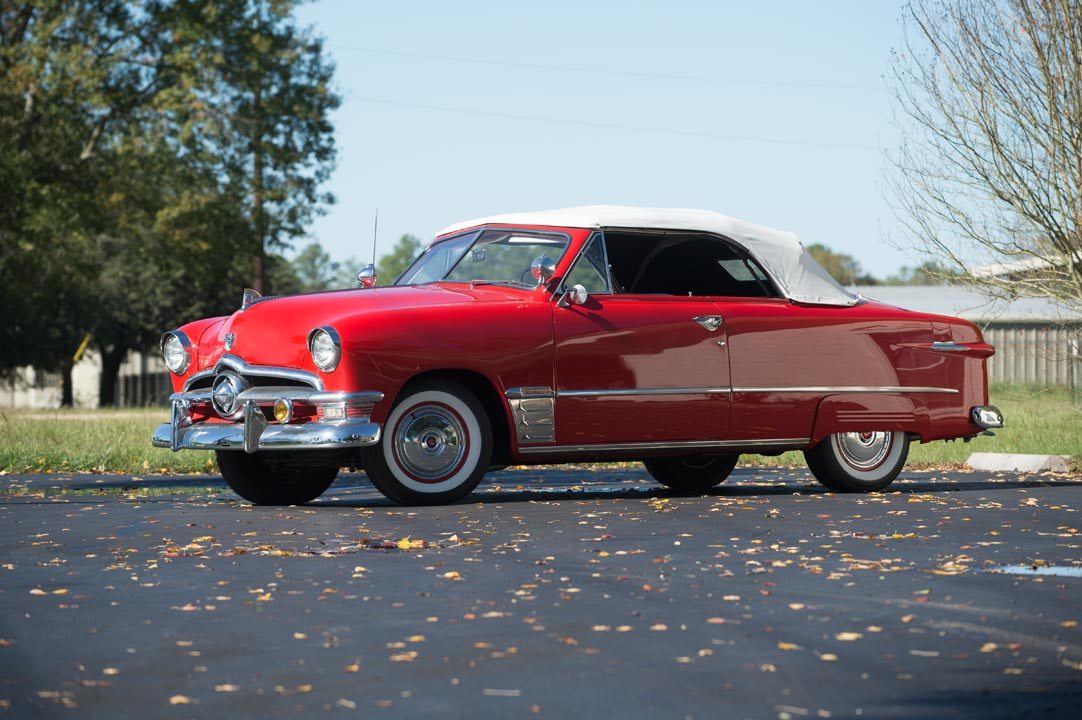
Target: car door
[{"x": 640, "y": 369}]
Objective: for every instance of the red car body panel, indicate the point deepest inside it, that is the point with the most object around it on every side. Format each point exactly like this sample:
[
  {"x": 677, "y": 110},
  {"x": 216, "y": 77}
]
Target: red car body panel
[{"x": 517, "y": 338}]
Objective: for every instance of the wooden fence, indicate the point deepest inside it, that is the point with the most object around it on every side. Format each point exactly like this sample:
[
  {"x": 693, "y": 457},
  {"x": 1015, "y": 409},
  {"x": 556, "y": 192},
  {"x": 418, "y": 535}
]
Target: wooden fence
[
  {"x": 1034, "y": 353},
  {"x": 134, "y": 390}
]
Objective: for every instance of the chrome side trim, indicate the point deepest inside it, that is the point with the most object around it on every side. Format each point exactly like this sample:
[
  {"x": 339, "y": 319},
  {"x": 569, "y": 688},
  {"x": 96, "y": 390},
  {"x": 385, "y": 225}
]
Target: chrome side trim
[
  {"x": 529, "y": 392},
  {"x": 533, "y": 410},
  {"x": 701, "y": 445},
  {"x": 950, "y": 346},
  {"x": 646, "y": 391},
  {"x": 854, "y": 389},
  {"x": 534, "y": 419}
]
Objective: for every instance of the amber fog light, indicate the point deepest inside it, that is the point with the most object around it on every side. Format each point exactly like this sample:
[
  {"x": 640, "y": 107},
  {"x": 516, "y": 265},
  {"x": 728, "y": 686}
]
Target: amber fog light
[{"x": 283, "y": 410}]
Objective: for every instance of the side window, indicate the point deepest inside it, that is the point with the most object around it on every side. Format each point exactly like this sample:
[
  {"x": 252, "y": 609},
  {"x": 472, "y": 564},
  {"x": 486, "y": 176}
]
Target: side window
[
  {"x": 683, "y": 264},
  {"x": 590, "y": 269}
]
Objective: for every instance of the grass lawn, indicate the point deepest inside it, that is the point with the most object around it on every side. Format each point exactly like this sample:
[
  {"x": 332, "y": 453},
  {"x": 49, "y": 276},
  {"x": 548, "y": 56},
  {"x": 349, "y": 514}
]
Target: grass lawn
[
  {"x": 79, "y": 440},
  {"x": 1038, "y": 421}
]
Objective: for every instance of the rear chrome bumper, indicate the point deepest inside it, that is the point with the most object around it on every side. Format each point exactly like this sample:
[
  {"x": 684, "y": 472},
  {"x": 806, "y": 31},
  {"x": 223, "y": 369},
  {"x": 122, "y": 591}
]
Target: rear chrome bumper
[{"x": 254, "y": 433}]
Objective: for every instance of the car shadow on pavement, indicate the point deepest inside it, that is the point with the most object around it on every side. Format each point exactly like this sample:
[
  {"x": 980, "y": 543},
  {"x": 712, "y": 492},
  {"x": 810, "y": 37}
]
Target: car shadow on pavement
[
  {"x": 352, "y": 489},
  {"x": 546, "y": 486},
  {"x": 1052, "y": 698}
]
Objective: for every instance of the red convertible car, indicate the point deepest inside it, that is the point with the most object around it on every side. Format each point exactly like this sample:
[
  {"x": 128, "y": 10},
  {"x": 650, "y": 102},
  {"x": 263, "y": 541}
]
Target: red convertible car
[{"x": 681, "y": 338}]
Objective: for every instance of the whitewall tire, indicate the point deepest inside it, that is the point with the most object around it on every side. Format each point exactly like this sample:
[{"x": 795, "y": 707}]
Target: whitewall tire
[
  {"x": 436, "y": 445},
  {"x": 858, "y": 461}
]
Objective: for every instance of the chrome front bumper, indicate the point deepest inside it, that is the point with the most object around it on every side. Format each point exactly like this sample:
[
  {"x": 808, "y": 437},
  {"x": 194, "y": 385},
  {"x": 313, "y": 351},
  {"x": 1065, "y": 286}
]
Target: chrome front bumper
[{"x": 254, "y": 433}]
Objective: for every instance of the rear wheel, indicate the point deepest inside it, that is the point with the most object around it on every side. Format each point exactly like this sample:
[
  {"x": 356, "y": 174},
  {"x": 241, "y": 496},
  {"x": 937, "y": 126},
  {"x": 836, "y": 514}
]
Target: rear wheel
[
  {"x": 858, "y": 461},
  {"x": 265, "y": 481},
  {"x": 436, "y": 445},
  {"x": 691, "y": 474}
]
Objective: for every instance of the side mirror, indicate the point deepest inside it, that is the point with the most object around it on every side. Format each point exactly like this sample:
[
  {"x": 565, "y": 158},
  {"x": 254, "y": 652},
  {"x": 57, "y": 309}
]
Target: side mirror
[
  {"x": 367, "y": 276},
  {"x": 542, "y": 268},
  {"x": 575, "y": 295}
]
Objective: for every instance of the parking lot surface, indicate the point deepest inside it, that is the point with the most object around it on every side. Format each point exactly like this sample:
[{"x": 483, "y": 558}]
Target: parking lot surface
[{"x": 550, "y": 593}]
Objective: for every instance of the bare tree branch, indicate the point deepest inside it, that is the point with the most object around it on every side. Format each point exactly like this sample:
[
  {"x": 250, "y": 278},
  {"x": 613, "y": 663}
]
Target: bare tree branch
[{"x": 989, "y": 171}]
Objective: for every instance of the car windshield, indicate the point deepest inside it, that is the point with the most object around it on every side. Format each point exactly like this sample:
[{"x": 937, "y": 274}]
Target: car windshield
[{"x": 492, "y": 256}]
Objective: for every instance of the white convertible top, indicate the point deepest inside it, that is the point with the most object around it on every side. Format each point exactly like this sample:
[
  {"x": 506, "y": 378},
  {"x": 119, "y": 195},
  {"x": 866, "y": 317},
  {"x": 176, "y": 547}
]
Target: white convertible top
[{"x": 782, "y": 255}]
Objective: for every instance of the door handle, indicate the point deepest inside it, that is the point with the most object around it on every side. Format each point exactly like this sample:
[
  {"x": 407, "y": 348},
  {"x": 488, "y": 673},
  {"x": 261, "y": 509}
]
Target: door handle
[{"x": 710, "y": 322}]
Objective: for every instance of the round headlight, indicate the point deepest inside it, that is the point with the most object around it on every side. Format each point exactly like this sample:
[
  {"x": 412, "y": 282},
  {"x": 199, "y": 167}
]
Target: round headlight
[
  {"x": 325, "y": 347},
  {"x": 175, "y": 351}
]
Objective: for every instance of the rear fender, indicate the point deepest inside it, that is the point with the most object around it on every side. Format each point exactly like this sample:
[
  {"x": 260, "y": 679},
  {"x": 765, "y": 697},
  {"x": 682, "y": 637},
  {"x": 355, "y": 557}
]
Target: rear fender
[{"x": 860, "y": 412}]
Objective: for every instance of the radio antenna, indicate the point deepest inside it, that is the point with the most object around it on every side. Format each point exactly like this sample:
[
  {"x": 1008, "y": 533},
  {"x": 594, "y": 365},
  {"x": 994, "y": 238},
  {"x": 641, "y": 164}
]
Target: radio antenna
[{"x": 375, "y": 232}]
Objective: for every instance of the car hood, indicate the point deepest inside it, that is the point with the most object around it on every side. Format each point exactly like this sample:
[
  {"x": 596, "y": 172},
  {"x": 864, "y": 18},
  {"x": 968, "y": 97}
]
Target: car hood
[{"x": 274, "y": 330}]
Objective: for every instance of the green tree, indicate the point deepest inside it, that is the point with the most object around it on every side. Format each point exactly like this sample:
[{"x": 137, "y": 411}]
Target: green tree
[
  {"x": 394, "y": 263},
  {"x": 142, "y": 146},
  {"x": 75, "y": 80},
  {"x": 929, "y": 272},
  {"x": 842, "y": 267},
  {"x": 314, "y": 269},
  {"x": 167, "y": 259},
  {"x": 264, "y": 105}
]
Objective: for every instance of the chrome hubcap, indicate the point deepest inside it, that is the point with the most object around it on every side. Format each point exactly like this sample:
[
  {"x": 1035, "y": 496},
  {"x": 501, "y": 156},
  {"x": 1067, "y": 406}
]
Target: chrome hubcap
[
  {"x": 430, "y": 442},
  {"x": 863, "y": 450}
]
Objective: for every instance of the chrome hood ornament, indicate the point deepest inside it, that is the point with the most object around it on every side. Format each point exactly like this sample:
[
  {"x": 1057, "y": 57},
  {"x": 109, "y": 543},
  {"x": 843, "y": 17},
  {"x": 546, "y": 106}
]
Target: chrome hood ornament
[{"x": 249, "y": 297}]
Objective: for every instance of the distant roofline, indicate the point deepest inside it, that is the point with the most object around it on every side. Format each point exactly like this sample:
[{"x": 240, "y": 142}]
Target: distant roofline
[{"x": 970, "y": 302}]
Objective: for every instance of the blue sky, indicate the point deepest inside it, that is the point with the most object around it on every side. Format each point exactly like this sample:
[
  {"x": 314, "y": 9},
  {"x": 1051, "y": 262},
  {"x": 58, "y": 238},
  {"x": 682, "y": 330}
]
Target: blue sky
[{"x": 774, "y": 112}]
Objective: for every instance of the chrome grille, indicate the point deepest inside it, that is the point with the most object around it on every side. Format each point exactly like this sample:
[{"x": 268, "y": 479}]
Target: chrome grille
[{"x": 255, "y": 375}]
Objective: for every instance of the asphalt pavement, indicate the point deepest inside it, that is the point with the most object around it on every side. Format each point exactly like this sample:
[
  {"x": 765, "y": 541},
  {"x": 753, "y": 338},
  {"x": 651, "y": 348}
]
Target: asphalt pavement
[{"x": 559, "y": 593}]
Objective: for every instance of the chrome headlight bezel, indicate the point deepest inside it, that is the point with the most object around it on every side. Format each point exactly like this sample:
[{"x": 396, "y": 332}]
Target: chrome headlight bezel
[
  {"x": 185, "y": 354},
  {"x": 330, "y": 348}
]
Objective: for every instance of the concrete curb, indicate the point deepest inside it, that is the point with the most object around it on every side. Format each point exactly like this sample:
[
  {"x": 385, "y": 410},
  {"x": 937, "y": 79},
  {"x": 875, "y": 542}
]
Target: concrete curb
[{"x": 1013, "y": 462}]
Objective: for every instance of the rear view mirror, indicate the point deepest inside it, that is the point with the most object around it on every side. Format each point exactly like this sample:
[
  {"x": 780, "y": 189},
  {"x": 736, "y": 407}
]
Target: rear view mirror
[
  {"x": 575, "y": 295},
  {"x": 542, "y": 268}
]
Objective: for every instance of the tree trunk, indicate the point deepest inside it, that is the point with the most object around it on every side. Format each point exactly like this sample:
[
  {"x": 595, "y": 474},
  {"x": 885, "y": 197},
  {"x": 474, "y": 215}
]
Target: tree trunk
[
  {"x": 67, "y": 392},
  {"x": 259, "y": 281},
  {"x": 110, "y": 371}
]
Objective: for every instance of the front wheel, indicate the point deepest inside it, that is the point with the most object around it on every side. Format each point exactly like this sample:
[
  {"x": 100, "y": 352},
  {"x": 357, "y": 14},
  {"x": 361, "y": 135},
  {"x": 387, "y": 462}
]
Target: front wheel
[
  {"x": 697, "y": 473},
  {"x": 436, "y": 445},
  {"x": 264, "y": 482},
  {"x": 858, "y": 461}
]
